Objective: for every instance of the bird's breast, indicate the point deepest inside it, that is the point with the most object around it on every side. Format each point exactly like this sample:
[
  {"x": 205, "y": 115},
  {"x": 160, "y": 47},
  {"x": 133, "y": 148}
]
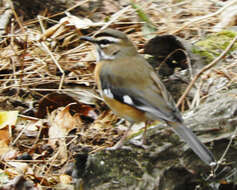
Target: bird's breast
[{"x": 125, "y": 111}]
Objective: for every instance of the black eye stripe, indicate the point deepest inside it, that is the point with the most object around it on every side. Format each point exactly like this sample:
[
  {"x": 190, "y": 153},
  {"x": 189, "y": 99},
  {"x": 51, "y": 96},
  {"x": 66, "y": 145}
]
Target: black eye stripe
[{"x": 104, "y": 42}]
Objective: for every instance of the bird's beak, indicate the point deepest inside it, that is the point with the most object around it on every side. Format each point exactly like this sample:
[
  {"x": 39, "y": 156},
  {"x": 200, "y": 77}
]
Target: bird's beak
[{"x": 89, "y": 39}]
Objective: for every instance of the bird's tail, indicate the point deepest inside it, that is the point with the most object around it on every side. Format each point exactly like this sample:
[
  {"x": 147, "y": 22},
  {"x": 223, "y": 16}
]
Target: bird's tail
[{"x": 195, "y": 144}]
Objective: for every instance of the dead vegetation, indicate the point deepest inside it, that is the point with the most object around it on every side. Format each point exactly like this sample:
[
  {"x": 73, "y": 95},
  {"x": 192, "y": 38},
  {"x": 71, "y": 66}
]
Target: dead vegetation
[{"x": 44, "y": 55}]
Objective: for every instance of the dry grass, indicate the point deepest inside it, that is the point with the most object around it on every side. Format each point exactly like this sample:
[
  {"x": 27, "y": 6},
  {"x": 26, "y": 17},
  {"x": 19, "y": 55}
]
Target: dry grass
[{"x": 44, "y": 55}]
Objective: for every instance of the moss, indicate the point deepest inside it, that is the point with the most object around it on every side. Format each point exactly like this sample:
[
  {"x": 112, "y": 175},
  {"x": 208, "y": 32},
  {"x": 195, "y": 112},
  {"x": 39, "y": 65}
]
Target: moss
[
  {"x": 204, "y": 53},
  {"x": 228, "y": 33},
  {"x": 121, "y": 166},
  {"x": 214, "y": 44}
]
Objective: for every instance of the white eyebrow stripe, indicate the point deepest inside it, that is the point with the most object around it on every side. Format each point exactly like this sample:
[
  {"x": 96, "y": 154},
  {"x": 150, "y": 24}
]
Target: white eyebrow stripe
[
  {"x": 109, "y": 38},
  {"x": 104, "y": 45}
]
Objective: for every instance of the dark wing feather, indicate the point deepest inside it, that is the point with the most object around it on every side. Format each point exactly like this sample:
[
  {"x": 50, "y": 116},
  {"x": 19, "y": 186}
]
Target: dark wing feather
[{"x": 148, "y": 99}]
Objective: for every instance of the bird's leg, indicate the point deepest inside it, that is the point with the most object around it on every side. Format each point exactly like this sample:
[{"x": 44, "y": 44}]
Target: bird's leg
[
  {"x": 144, "y": 133},
  {"x": 121, "y": 141}
]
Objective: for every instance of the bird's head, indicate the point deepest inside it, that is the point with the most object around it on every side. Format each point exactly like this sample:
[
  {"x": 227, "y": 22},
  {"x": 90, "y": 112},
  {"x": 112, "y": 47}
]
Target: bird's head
[{"x": 111, "y": 44}]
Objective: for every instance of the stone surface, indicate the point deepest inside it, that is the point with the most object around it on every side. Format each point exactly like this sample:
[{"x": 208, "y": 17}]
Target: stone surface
[{"x": 166, "y": 162}]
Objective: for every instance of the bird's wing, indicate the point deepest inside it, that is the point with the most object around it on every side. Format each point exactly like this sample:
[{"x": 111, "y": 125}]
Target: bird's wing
[{"x": 142, "y": 89}]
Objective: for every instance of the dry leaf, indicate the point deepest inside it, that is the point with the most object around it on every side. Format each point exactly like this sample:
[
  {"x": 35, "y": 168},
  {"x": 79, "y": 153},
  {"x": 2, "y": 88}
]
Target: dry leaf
[
  {"x": 19, "y": 166},
  {"x": 8, "y": 118},
  {"x": 79, "y": 22},
  {"x": 54, "y": 100},
  {"x": 69, "y": 20},
  {"x": 61, "y": 123},
  {"x": 32, "y": 128},
  {"x": 9, "y": 154},
  {"x": 65, "y": 179},
  {"x": 105, "y": 119},
  {"x": 4, "y": 142},
  {"x": 49, "y": 32}
]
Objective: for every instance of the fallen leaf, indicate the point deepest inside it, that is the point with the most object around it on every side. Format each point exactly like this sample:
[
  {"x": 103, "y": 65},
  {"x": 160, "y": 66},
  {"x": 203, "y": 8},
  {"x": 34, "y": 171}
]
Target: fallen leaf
[
  {"x": 19, "y": 167},
  {"x": 69, "y": 20},
  {"x": 8, "y": 118},
  {"x": 4, "y": 141},
  {"x": 61, "y": 123},
  {"x": 49, "y": 32},
  {"x": 65, "y": 179},
  {"x": 79, "y": 22},
  {"x": 53, "y": 101}
]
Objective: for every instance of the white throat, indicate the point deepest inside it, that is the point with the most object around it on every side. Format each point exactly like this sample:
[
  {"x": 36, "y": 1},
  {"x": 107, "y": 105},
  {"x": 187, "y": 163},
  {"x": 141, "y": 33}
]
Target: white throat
[{"x": 102, "y": 56}]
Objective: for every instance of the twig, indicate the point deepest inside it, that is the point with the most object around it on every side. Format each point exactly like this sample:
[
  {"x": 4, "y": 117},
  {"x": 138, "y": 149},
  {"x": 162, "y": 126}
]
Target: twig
[
  {"x": 19, "y": 135},
  {"x": 16, "y": 16},
  {"x": 114, "y": 17},
  {"x": 57, "y": 14},
  {"x": 228, "y": 4},
  {"x": 28, "y": 117},
  {"x": 226, "y": 150},
  {"x": 41, "y": 24},
  {"x": 214, "y": 62},
  {"x": 56, "y": 63},
  {"x": 28, "y": 161},
  {"x": 223, "y": 156}
]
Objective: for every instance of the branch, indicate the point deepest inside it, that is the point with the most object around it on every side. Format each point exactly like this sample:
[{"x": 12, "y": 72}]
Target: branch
[{"x": 214, "y": 62}]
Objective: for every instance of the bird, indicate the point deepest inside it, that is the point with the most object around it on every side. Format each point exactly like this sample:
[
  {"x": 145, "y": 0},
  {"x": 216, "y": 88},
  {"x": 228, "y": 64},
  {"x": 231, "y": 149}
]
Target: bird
[{"x": 133, "y": 90}]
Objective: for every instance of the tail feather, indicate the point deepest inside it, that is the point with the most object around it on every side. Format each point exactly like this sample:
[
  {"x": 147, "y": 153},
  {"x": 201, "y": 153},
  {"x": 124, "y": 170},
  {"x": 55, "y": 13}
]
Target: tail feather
[{"x": 195, "y": 144}]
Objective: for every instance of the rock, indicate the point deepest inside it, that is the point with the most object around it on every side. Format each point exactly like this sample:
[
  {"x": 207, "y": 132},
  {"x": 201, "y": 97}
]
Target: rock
[{"x": 166, "y": 163}]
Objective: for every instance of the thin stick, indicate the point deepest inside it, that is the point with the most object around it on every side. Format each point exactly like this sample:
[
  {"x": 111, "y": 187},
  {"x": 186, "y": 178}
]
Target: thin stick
[
  {"x": 214, "y": 62},
  {"x": 16, "y": 16},
  {"x": 114, "y": 17},
  {"x": 205, "y": 17},
  {"x": 223, "y": 155},
  {"x": 56, "y": 63},
  {"x": 227, "y": 148}
]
